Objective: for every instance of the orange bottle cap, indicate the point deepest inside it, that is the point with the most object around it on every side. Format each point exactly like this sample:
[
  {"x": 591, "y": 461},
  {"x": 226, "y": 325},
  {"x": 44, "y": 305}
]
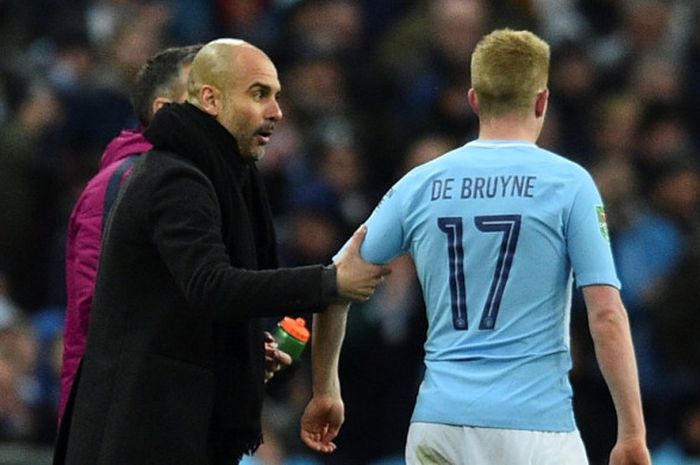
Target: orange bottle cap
[{"x": 296, "y": 327}]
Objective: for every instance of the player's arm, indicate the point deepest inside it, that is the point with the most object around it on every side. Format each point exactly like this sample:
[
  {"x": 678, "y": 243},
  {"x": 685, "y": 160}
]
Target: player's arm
[
  {"x": 592, "y": 261},
  {"x": 325, "y": 413},
  {"x": 610, "y": 330}
]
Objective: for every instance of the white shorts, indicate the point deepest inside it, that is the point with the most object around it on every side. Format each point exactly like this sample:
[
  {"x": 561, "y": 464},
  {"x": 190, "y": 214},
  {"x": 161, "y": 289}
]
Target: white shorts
[{"x": 437, "y": 444}]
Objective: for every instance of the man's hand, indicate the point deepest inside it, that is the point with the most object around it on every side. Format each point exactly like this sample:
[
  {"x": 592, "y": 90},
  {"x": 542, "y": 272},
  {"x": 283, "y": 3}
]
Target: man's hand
[
  {"x": 275, "y": 359},
  {"x": 357, "y": 279},
  {"x": 630, "y": 452},
  {"x": 321, "y": 423}
]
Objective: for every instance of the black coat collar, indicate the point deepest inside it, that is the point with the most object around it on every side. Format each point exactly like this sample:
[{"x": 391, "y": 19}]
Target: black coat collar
[{"x": 184, "y": 129}]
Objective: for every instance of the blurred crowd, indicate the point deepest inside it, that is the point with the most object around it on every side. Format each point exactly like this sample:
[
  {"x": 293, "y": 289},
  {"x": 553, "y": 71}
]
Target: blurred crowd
[{"x": 371, "y": 88}]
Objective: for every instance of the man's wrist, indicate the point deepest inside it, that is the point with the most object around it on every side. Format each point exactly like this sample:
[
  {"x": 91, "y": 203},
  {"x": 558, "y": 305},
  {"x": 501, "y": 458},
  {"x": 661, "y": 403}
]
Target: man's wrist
[{"x": 328, "y": 390}]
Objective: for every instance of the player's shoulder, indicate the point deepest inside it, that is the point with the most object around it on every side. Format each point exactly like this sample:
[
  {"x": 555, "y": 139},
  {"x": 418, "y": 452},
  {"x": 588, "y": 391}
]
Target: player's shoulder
[
  {"x": 438, "y": 165},
  {"x": 420, "y": 177},
  {"x": 563, "y": 164}
]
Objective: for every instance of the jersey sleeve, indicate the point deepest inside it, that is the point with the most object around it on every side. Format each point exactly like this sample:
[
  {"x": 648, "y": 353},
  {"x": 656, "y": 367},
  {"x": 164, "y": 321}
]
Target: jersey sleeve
[
  {"x": 385, "y": 238},
  {"x": 588, "y": 241}
]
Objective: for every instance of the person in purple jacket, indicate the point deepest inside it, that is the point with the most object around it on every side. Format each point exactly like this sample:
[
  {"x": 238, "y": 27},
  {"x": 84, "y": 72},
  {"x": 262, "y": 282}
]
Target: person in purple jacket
[{"x": 163, "y": 79}]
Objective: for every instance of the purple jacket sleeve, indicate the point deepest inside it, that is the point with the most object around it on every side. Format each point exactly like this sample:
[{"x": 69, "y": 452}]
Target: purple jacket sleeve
[{"x": 82, "y": 256}]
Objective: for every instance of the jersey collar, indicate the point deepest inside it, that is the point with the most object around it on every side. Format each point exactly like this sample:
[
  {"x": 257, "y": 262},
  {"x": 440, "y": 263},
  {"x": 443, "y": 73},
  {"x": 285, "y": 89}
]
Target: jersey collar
[{"x": 495, "y": 143}]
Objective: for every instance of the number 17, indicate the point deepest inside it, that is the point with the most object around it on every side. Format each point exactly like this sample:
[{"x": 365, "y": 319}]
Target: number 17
[{"x": 509, "y": 227}]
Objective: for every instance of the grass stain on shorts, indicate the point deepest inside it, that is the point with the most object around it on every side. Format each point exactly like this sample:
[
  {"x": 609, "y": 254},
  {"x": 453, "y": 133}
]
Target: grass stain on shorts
[{"x": 429, "y": 456}]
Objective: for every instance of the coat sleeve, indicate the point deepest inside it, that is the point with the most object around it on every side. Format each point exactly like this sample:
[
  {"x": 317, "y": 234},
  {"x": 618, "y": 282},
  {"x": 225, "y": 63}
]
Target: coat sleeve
[{"x": 186, "y": 228}]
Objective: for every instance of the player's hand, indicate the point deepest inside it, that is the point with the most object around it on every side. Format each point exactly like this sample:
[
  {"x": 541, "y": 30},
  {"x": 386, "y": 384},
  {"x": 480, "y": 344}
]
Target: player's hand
[
  {"x": 630, "y": 452},
  {"x": 321, "y": 423},
  {"x": 357, "y": 279},
  {"x": 275, "y": 359}
]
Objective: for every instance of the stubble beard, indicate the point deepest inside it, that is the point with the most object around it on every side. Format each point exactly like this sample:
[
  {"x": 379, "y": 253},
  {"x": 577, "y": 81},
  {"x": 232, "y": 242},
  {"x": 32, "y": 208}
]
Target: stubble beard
[
  {"x": 251, "y": 151},
  {"x": 256, "y": 153}
]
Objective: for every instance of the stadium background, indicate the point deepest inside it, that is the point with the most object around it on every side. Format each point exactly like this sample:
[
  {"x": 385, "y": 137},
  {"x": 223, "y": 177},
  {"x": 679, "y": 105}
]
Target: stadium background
[{"x": 370, "y": 89}]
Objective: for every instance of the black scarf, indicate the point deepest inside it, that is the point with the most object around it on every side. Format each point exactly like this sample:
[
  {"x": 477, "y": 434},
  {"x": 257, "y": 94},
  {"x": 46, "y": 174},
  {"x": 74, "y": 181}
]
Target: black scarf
[{"x": 190, "y": 133}]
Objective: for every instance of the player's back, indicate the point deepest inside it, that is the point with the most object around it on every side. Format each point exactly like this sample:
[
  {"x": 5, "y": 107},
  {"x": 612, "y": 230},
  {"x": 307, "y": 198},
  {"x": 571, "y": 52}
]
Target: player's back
[{"x": 487, "y": 227}]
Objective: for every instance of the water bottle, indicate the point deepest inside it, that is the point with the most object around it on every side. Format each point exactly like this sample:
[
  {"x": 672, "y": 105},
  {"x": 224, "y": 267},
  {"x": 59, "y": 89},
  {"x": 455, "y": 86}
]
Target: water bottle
[{"x": 291, "y": 336}]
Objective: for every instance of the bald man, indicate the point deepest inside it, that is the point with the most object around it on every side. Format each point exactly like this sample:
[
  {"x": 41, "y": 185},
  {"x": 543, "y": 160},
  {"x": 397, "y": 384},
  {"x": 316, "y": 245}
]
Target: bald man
[{"x": 173, "y": 373}]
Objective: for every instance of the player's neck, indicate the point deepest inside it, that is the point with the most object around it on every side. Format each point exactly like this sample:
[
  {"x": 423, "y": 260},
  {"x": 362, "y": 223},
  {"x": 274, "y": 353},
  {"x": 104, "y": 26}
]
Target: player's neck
[{"x": 509, "y": 129}]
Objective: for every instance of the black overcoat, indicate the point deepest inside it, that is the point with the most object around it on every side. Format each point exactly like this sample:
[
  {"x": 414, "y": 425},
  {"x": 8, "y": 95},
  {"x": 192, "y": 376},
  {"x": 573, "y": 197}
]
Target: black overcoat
[{"x": 174, "y": 367}]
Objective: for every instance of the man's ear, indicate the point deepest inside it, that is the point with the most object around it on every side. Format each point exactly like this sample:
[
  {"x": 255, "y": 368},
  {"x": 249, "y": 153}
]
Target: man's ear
[
  {"x": 473, "y": 101},
  {"x": 541, "y": 103},
  {"x": 159, "y": 103},
  {"x": 210, "y": 99}
]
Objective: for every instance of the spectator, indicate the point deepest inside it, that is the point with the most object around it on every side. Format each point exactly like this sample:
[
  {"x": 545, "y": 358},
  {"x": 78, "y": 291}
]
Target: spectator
[
  {"x": 676, "y": 323},
  {"x": 684, "y": 447}
]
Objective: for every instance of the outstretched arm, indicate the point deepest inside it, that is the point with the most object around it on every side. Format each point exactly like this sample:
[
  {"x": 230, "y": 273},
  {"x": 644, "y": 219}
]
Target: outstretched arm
[
  {"x": 612, "y": 339},
  {"x": 325, "y": 412},
  {"x": 185, "y": 225}
]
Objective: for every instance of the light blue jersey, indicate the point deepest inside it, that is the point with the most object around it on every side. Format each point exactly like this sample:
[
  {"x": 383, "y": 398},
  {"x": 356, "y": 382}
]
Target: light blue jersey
[{"x": 497, "y": 230}]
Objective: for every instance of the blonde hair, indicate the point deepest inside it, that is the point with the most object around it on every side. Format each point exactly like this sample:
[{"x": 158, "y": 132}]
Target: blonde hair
[{"x": 508, "y": 69}]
